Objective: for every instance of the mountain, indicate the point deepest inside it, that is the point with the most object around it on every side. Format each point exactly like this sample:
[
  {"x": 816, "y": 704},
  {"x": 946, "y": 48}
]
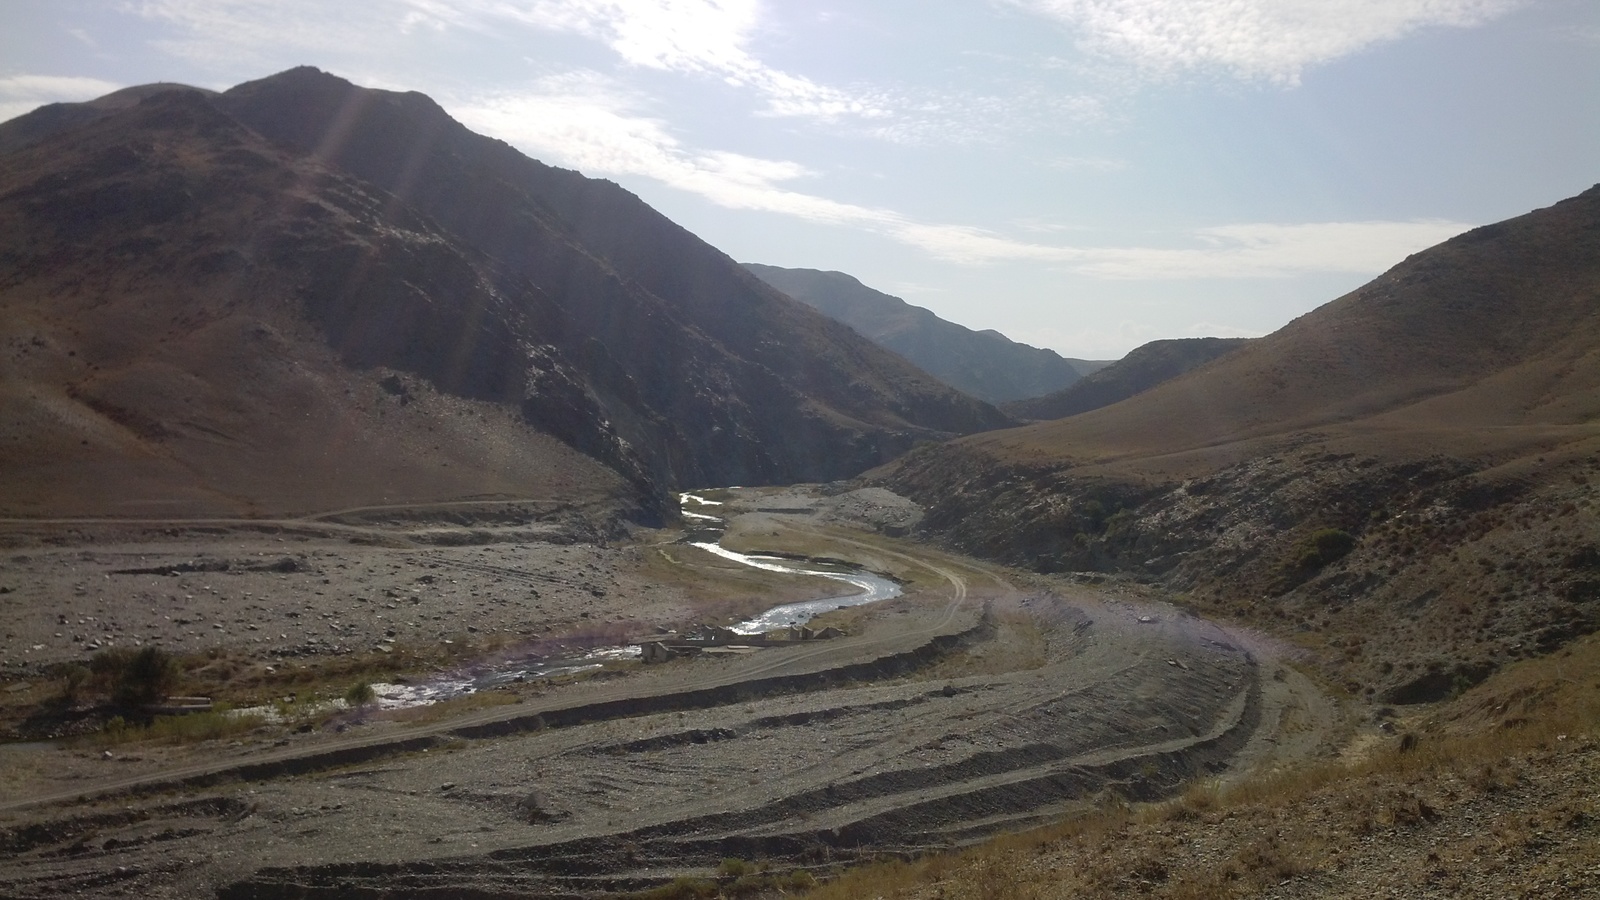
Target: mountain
[
  {"x": 1142, "y": 369},
  {"x": 219, "y": 298},
  {"x": 1403, "y": 481},
  {"x": 30, "y": 129},
  {"x": 985, "y": 364}
]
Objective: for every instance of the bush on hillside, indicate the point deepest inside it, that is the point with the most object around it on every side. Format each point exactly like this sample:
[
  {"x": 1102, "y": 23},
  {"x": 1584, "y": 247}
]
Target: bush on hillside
[
  {"x": 1325, "y": 546},
  {"x": 360, "y": 694},
  {"x": 135, "y": 677}
]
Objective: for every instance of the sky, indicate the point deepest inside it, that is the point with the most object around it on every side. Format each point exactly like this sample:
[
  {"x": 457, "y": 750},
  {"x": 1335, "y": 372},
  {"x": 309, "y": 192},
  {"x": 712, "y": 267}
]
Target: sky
[{"x": 1082, "y": 175}]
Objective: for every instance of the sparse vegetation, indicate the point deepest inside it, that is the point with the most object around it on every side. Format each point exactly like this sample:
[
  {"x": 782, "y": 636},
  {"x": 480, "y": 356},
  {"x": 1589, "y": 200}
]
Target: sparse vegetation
[
  {"x": 734, "y": 878},
  {"x": 210, "y": 725},
  {"x": 134, "y": 677},
  {"x": 1490, "y": 763},
  {"x": 360, "y": 694},
  {"x": 1324, "y": 546},
  {"x": 74, "y": 678},
  {"x": 682, "y": 888}
]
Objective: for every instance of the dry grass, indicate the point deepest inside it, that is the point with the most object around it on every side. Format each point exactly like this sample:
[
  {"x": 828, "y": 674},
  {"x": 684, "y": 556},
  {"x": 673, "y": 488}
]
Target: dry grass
[
  {"x": 193, "y": 728},
  {"x": 1497, "y": 795}
]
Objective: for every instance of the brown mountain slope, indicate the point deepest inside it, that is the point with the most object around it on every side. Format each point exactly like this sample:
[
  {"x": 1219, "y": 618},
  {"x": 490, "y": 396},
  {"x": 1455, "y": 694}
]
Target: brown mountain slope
[
  {"x": 1405, "y": 480},
  {"x": 1142, "y": 369},
  {"x": 1500, "y": 323},
  {"x": 30, "y": 129},
  {"x": 710, "y": 374},
  {"x": 150, "y": 224},
  {"x": 177, "y": 336},
  {"x": 985, "y": 364}
]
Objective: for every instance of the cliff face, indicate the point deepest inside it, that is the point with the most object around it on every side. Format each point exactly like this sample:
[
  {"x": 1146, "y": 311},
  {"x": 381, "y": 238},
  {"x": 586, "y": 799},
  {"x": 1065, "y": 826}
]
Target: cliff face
[{"x": 375, "y": 248}]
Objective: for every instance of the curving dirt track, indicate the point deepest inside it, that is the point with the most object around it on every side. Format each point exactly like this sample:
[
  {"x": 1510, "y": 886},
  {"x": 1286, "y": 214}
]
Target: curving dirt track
[{"x": 975, "y": 703}]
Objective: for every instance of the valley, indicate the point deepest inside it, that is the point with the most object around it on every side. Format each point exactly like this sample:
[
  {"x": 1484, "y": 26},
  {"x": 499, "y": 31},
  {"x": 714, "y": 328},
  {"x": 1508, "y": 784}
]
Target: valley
[
  {"x": 360, "y": 536},
  {"x": 981, "y": 699}
]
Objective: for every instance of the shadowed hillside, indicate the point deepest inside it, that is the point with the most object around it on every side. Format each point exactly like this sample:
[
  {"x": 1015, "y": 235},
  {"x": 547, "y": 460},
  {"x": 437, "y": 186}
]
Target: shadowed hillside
[
  {"x": 1404, "y": 480},
  {"x": 1142, "y": 369},
  {"x": 711, "y": 376},
  {"x": 196, "y": 323},
  {"x": 30, "y": 129},
  {"x": 985, "y": 364},
  {"x": 375, "y": 237}
]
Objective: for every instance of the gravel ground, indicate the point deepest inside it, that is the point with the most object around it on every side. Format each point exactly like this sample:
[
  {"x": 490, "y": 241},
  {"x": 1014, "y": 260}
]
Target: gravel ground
[
  {"x": 884, "y": 741},
  {"x": 305, "y": 597}
]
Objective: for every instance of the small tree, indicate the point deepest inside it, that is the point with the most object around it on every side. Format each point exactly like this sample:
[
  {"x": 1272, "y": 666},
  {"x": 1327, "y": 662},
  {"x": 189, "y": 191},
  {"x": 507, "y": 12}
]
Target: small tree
[
  {"x": 73, "y": 679},
  {"x": 360, "y": 694},
  {"x": 135, "y": 677}
]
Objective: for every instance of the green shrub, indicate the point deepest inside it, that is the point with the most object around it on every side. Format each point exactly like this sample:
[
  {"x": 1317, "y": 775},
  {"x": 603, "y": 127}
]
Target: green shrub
[
  {"x": 682, "y": 888},
  {"x": 134, "y": 677},
  {"x": 360, "y": 694},
  {"x": 1323, "y": 547},
  {"x": 73, "y": 680}
]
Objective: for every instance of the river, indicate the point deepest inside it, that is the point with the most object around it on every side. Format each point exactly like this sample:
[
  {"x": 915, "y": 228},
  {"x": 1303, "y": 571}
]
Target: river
[{"x": 865, "y": 587}]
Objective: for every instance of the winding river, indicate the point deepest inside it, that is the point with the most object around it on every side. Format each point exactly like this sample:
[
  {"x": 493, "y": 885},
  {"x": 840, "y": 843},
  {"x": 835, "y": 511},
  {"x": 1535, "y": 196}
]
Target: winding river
[{"x": 865, "y": 587}]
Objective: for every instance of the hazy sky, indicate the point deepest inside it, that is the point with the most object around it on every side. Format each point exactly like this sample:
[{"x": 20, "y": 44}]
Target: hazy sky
[{"x": 1084, "y": 175}]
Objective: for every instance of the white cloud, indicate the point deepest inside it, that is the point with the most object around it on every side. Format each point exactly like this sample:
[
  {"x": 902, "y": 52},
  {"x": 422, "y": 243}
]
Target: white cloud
[
  {"x": 699, "y": 37},
  {"x": 696, "y": 37},
  {"x": 1275, "y": 40},
  {"x": 378, "y": 41},
  {"x": 588, "y": 121},
  {"x": 233, "y": 36},
  {"x": 21, "y": 94},
  {"x": 1267, "y": 250}
]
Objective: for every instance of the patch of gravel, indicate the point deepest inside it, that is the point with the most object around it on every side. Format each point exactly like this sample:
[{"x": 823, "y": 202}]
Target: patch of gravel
[
  {"x": 877, "y": 508},
  {"x": 300, "y": 597}
]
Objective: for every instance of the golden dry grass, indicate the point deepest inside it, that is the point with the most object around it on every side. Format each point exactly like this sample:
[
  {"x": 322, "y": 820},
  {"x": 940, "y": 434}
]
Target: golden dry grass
[{"x": 1495, "y": 797}]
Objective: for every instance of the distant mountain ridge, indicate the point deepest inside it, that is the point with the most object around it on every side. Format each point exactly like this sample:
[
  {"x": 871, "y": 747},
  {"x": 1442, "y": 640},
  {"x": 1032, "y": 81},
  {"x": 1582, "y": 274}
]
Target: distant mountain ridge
[
  {"x": 985, "y": 364},
  {"x": 407, "y": 244},
  {"x": 1142, "y": 369}
]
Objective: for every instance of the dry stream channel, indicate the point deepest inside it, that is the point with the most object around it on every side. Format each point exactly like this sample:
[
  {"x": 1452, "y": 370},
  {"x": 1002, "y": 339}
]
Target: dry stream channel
[{"x": 977, "y": 701}]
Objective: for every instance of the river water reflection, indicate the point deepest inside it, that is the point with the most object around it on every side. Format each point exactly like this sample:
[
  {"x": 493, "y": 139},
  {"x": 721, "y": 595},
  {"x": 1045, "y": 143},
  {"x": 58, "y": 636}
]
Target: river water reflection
[
  {"x": 865, "y": 587},
  {"x": 869, "y": 588}
]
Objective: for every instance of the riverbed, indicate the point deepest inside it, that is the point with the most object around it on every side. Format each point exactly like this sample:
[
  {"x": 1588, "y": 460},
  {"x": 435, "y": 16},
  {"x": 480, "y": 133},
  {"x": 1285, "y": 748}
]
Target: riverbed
[{"x": 864, "y": 588}]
